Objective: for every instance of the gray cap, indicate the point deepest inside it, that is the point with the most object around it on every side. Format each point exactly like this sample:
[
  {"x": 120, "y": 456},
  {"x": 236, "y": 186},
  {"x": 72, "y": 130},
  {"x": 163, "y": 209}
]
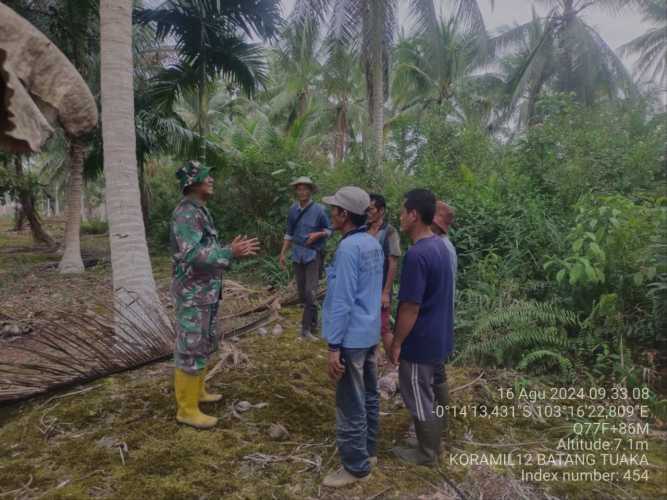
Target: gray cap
[
  {"x": 350, "y": 198},
  {"x": 304, "y": 180}
]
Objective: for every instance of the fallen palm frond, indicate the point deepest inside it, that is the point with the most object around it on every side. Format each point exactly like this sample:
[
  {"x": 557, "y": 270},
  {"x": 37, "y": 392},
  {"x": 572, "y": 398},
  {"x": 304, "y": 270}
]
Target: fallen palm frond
[
  {"x": 68, "y": 348},
  {"x": 73, "y": 347}
]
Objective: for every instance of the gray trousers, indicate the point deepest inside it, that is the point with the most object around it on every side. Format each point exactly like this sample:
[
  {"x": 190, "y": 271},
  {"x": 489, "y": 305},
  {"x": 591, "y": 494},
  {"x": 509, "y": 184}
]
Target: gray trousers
[
  {"x": 307, "y": 279},
  {"x": 416, "y": 383}
]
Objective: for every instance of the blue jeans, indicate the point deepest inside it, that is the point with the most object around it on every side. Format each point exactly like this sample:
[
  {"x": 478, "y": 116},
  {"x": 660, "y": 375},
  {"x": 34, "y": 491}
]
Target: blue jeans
[{"x": 357, "y": 410}]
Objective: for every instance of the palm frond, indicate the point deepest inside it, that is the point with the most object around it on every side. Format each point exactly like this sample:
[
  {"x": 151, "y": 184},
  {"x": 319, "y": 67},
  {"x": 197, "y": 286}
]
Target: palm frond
[
  {"x": 616, "y": 72},
  {"x": 469, "y": 16},
  {"x": 73, "y": 348},
  {"x": 652, "y": 45}
]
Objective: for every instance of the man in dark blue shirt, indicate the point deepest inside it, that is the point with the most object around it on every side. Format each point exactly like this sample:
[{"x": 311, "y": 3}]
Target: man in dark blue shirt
[{"x": 424, "y": 332}]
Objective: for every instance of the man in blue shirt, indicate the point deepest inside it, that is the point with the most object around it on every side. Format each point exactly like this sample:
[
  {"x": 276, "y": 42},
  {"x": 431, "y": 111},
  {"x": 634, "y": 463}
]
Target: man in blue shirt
[
  {"x": 351, "y": 326},
  {"x": 307, "y": 232},
  {"x": 424, "y": 331}
]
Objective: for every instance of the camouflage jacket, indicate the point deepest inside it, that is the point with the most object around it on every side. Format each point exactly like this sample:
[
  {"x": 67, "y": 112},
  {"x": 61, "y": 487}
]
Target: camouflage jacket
[{"x": 197, "y": 256}]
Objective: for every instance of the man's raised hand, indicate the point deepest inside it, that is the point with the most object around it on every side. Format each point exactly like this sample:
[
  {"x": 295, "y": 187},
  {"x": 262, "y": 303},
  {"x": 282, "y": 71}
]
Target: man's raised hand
[{"x": 242, "y": 246}]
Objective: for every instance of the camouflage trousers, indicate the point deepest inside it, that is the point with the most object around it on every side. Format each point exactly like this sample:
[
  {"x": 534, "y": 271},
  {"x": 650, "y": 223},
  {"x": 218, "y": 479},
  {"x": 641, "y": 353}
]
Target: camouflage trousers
[{"x": 196, "y": 336}]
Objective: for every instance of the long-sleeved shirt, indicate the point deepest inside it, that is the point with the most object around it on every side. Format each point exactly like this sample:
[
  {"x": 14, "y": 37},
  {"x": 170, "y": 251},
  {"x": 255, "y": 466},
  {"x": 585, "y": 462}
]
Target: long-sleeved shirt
[
  {"x": 313, "y": 220},
  {"x": 197, "y": 256},
  {"x": 351, "y": 310}
]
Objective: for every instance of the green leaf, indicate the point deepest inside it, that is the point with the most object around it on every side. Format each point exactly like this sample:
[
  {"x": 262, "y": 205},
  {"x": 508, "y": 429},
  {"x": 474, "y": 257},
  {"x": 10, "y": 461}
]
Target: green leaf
[
  {"x": 651, "y": 272},
  {"x": 638, "y": 278},
  {"x": 576, "y": 246},
  {"x": 576, "y": 273},
  {"x": 549, "y": 264},
  {"x": 560, "y": 275},
  {"x": 596, "y": 250}
]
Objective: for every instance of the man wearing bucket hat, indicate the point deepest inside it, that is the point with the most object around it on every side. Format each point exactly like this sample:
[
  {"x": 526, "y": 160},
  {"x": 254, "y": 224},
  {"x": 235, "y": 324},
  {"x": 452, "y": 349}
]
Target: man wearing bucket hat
[
  {"x": 351, "y": 326},
  {"x": 198, "y": 260},
  {"x": 307, "y": 232}
]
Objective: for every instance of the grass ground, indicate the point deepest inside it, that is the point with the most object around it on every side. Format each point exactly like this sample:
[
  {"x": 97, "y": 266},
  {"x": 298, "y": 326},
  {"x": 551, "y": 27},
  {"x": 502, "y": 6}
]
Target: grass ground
[{"x": 116, "y": 438}]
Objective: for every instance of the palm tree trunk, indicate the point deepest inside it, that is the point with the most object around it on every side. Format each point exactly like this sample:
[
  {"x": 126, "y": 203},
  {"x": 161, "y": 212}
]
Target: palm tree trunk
[
  {"x": 202, "y": 125},
  {"x": 341, "y": 132},
  {"x": 143, "y": 191},
  {"x": 72, "y": 261},
  {"x": 375, "y": 30},
  {"x": 203, "y": 97},
  {"x": 133, "y": 282},
  {"x": 28, "y": 211},
  {"x": 19, "y": 217}
]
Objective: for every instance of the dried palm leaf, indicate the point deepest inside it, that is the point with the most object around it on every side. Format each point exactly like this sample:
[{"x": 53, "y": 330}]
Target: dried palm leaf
[
  {"x": 69, "y": 348},
  {"x": 38, "y": 86}
]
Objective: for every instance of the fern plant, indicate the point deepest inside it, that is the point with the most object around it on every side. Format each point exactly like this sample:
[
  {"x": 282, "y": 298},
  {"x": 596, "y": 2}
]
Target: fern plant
[{"x": 522, "y": 333}]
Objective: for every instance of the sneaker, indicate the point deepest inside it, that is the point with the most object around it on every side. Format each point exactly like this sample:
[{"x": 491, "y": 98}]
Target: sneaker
[{"x": 341, "y": 478}]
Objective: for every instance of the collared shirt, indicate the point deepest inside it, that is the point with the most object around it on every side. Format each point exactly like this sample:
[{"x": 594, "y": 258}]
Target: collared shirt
[
  {"x": 314, "y": 220},
  {"x": 351, "y": 310},
  {"x": 197, "y": 256}
]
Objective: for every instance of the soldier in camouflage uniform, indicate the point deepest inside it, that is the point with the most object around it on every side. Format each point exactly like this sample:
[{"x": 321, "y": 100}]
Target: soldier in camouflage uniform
[{"x": 198, "y": 260}]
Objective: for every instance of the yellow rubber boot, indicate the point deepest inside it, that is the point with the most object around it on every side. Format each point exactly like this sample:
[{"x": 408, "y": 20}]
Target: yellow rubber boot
[
  {"x": 187, "y": 389},
  {"x": 204, "y": 395}
]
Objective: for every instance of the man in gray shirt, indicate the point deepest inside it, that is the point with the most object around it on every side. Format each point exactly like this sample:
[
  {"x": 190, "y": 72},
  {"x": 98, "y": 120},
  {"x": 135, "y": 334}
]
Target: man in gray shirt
[{"x": 389, "y": 240}]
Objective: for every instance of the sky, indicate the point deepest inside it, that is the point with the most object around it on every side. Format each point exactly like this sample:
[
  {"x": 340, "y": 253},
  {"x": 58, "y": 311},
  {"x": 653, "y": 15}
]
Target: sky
[{"x": 615, "y": 29}]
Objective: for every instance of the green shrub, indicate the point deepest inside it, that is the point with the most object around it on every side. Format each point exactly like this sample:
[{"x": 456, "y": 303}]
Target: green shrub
[{"x": 94, "y": 226}]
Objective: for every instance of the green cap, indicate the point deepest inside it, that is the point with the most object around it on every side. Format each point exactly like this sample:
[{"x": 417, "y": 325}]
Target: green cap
[{"x": 192, "y": 173}]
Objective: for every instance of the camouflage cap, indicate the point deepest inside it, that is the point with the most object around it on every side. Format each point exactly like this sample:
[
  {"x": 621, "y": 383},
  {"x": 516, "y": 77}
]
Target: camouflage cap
[{"x": 192, "y": 173}]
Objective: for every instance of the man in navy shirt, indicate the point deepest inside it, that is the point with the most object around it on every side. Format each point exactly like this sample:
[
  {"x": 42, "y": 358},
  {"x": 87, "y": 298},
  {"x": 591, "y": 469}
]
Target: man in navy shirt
[
  {"x": 307, "y": 232},
  {"x": 424, "y": 332}
]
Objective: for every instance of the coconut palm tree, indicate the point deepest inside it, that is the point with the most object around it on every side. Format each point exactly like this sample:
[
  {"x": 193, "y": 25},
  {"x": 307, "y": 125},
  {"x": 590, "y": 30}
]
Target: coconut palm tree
[
  {"x": 342, "y": 84},
  {"x": 37, "y": 71},
  {"x": 77, "y": 34},
  {"x": 133, "y": 282},
  {"x": 430, "y": 71},
  {"x": 73, "y": 26},
  {"x": 652, "y": 45},
  {"x": 210, "y": 39},
  {"x": 373, "y": 23},
  {"x": 569, "y": 55},
  {"x": 295, "y": 71}
]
